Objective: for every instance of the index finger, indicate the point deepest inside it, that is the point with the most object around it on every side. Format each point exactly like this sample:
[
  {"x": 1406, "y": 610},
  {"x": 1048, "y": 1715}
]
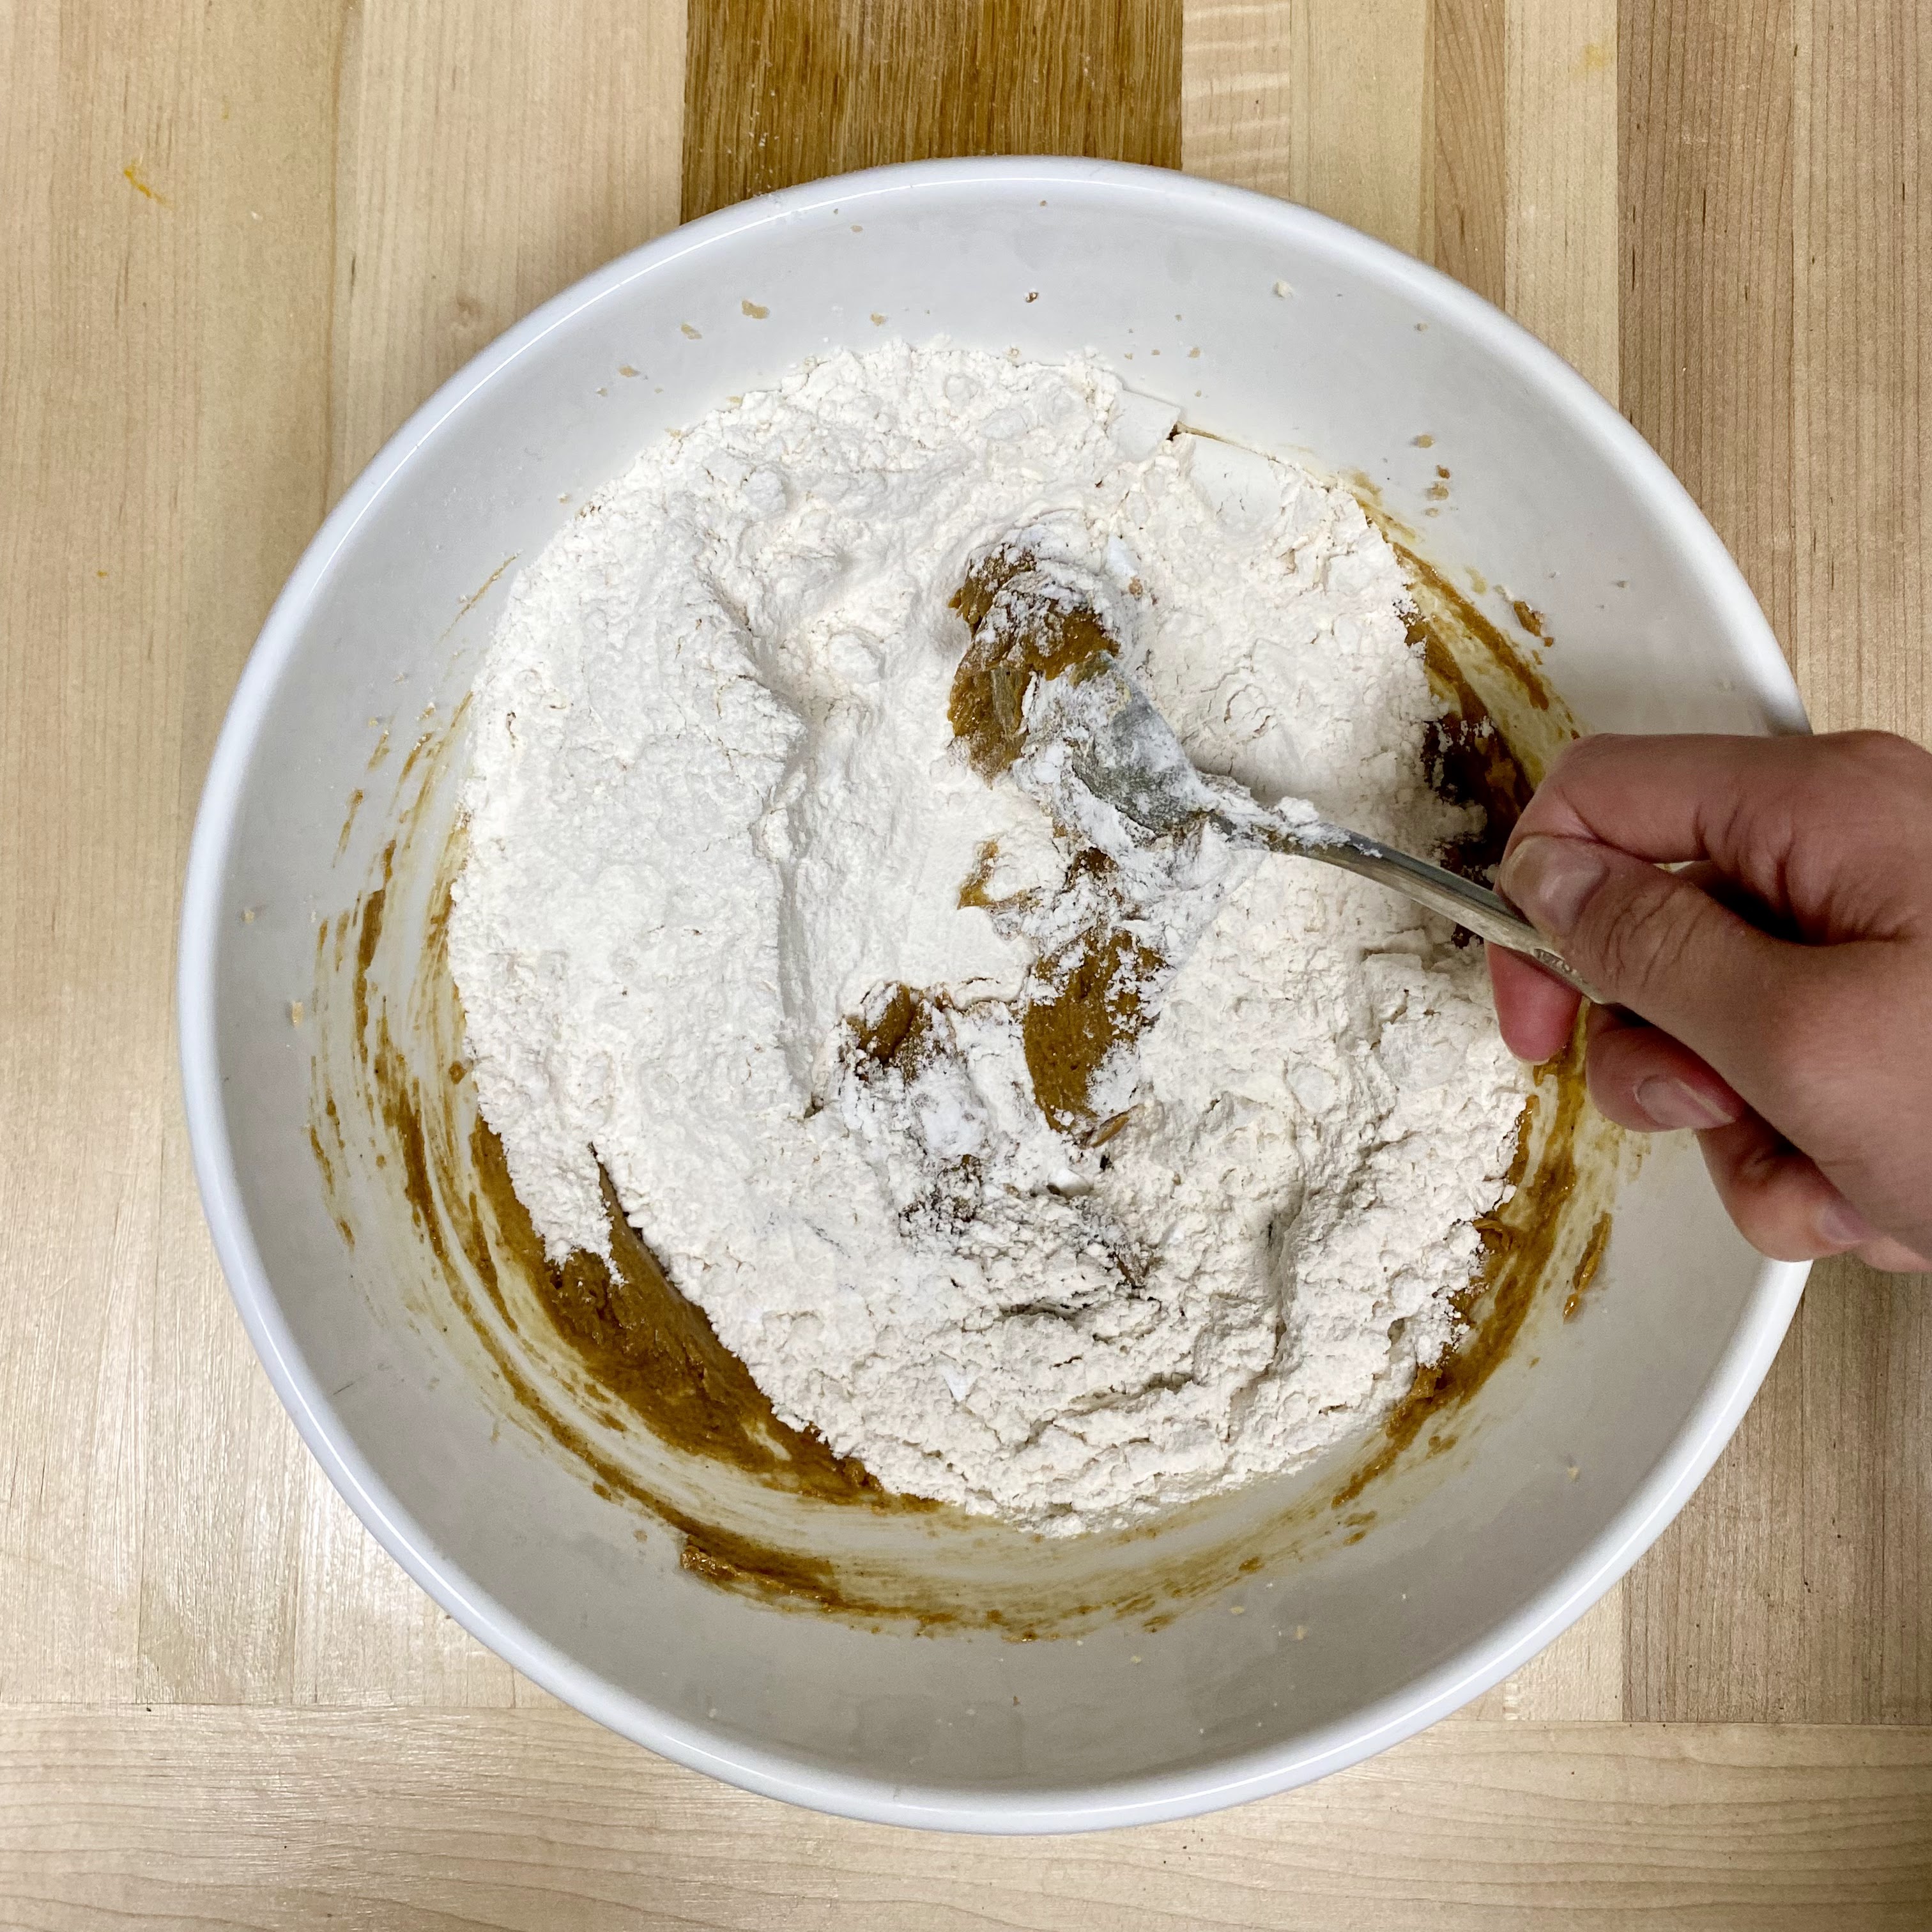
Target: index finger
[
  {"x": 1829, "y": 832},
  {"x": 1668, "y": 797}
]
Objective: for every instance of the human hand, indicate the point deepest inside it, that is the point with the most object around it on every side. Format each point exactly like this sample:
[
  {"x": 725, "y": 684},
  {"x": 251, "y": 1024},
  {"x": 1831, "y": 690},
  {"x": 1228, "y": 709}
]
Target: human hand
[{"x": 1796, "y": 1039}]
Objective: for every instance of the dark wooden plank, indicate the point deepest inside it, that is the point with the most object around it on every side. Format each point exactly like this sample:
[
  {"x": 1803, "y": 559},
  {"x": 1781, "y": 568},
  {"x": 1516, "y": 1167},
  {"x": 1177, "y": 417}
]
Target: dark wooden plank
[{"x": 783, "y": 90}]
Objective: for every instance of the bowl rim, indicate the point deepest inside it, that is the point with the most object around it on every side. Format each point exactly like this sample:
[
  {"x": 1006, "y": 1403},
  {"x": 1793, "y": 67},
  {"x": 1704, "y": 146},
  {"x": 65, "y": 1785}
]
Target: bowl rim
[{"x": 1344, "y": 1741}]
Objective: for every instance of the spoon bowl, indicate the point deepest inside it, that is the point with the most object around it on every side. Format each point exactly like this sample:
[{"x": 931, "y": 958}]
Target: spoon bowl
[{"x": 1126, "y": 753}]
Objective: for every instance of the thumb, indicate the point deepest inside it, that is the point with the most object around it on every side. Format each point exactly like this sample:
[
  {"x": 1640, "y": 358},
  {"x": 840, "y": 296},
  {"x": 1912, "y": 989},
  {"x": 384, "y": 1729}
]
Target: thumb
[{"x": 1650, "y": 941}]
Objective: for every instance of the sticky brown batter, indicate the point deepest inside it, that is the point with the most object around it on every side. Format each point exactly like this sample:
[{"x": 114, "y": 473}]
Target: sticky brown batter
[
  {"x": 898, "y": 1035},
  {"x": 1468, "y": 761},
  {"x": 975, "y": 890},
  {"x": 1531, "y": 619},
  {"x": 1086, "y": 998},
  {"x": 1081, "y": 1004},
  {"x": 1020, "y": 633},
  {"x": 657, "y": 1353},
  {"x": 1448, "y": 615}
]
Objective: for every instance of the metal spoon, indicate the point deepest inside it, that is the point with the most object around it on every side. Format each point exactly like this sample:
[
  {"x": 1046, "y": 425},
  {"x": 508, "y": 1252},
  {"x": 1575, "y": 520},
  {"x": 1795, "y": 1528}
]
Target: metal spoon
[{"x": 1126, "y": 753}]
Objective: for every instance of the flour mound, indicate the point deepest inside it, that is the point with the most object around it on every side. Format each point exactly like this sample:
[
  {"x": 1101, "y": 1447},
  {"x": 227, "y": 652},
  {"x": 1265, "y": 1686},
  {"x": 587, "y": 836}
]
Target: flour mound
[{"x": 1051, "y": 1168}]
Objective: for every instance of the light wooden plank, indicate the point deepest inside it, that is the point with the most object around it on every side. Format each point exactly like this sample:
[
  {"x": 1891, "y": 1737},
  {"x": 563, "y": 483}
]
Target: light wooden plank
[
  {"x": 162, "y": 410},
  {"x": 1561, "y": 117},
  {"x": 1324, "y": 102},
  {"x": 538, "y": 1819},
  {"x": 1560, "y": 281},
  {"x": 1704, "y": 146},
  {"x": 486, "y": 156},
  {"x": 490, "y": 154},
  {"x": 1773, "y": 160},
  {"x": 1360, "y": 85},
  {"x": 1862, "y": 363},
  {"x": 1466, "y": 214},
  {"x": 786, "y": 91},
  {"x": 1239, "y": 115}
]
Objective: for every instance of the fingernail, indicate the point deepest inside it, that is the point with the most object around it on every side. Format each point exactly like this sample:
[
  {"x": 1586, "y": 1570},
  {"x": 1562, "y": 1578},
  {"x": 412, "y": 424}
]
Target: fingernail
[
  {"x": 1551, "y": 880},
  {"x": 1843, "y": 1225},
  {"x": 1676, "y": 1103}
]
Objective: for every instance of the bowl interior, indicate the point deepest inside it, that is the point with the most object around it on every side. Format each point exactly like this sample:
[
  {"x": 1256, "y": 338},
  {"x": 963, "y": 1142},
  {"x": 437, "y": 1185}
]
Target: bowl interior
[{"x": 1264, "y": 324}]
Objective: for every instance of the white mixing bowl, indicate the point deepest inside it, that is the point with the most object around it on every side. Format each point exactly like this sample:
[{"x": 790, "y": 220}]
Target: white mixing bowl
[{"x": 1312, "y": 339}]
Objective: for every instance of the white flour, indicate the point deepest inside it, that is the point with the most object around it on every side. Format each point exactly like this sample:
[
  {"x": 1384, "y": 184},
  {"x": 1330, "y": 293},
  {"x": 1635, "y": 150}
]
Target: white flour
[{"x": 710, "y": 933}]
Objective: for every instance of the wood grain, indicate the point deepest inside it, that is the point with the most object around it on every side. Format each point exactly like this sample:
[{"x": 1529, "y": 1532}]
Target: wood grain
[
  {"x": 163, "y": 408},
  {"x": 1324, "y": 102},
  {"x": 1466, "y": 210},
  {"x": 1861, "y": 364},
  {"x": 779, "y": 91},
  {"x": 489, "y": 155},
  {"x": 1560, "y": 116},
  {"x": 1523, "y": 206},
  {"x": 200, "y": 1819},
  {"x": 1705, "y": 318},
  {"x": 1239, "y": 115},
  {"x": 1771, "y": 348}
]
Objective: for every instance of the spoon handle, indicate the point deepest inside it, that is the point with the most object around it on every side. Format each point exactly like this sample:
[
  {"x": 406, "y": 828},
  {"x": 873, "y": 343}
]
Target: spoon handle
[{"x": 1486, "y": 913}]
